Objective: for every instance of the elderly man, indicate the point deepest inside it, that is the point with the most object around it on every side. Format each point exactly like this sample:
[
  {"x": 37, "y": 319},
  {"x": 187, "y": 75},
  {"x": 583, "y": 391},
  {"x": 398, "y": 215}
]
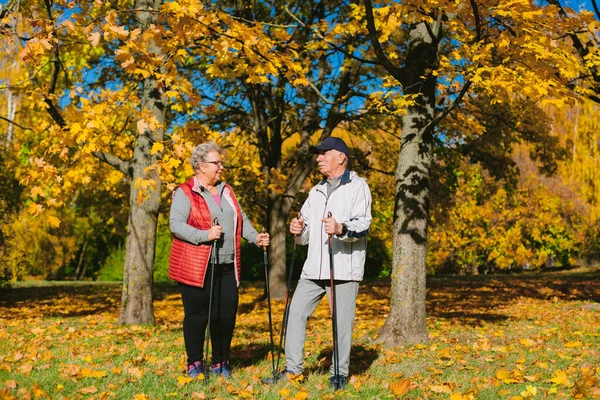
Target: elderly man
[{"x": 338, "y": 207}]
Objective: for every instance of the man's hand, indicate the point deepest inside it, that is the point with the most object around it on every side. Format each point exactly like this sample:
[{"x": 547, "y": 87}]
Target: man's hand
[{"x": 331, "y": 226}]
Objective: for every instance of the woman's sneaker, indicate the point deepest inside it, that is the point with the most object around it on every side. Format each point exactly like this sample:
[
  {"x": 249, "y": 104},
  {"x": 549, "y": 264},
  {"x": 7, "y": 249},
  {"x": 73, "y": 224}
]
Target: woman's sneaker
[
  {"x": 195, "y": 369},
  {"x": 222, "y": 368}
]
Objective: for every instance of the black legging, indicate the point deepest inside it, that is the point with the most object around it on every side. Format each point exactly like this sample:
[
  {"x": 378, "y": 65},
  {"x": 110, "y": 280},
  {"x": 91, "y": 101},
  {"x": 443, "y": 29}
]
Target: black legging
[{"x": 224, "y": 308}]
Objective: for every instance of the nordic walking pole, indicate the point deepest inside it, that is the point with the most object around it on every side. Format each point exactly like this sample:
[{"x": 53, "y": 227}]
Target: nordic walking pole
[
  {"x": 284, "y": 320},
  {"x": 210, "y": 296},
  {"x": 286, "y": 309},
  {"x": 268, "y": 291},
  {"x": 336, "y": 364}
]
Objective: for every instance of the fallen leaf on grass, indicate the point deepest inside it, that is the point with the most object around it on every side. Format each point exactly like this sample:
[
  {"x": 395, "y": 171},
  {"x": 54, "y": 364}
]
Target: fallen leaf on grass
[
  {"x": 88, "y": 390},
  {"x": 183, "y": 380},
  {"x": 26, "y": 368},
  {"x": 530, "y": 392},
  {"x": 135, "y": 372},
  {"x": 445, "y": 387},
  {"x": 401, "y": 387},
  {"x": 560, "y": 378},
  {"x": 11, "y": 384},
  {"x": 88, "y": 373},
  {"x": 459, "y": 396}
]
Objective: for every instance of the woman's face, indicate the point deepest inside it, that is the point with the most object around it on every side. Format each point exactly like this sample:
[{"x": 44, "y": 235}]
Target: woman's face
[{"x": 213, "y": 166}]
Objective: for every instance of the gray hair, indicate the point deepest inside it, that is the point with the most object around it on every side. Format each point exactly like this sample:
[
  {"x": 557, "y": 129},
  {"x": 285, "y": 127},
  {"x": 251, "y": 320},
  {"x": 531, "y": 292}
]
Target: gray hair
[{"x": 201, "y": 151}]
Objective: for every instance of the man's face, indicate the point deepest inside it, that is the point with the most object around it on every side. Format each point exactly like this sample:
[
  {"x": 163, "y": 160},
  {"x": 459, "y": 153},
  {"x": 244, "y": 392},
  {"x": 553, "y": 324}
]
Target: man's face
[{"x": 331, "y": 163}]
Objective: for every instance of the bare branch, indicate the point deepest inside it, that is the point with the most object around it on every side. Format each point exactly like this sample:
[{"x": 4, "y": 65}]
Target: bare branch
[
  {"x": 113, "y": 161},
  {"x": 448, "y": 110},
  {"x": 596, "y": 10},
  {"x": 15, "y": 124}
]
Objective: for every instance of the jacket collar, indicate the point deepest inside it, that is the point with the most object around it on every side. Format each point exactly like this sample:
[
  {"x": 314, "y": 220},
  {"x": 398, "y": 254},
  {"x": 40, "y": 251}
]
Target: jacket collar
[
  {"x": 345, "y": 178},
  {"x": 198, "y": 188}
]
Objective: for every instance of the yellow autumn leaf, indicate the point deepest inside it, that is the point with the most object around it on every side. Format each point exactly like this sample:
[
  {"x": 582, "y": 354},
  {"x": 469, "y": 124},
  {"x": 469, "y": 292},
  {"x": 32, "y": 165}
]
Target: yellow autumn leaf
[
  {"x": 37, "y": 191},
  {"x": 284, "y": 392},
  {"x": 88, "y": 373},
  {"x": 301, "y": 396},
  {"x": 94, "y": 38},
  {"x": 505, "y": 376},
  {"x": 571, "y": 345},
  {"x": 142, "y": 125},
  {"x": 182, "y": 380},
  {"x": 527, "y": 342},
  {"x": 53, "y": 221},
  {"x": 530, "y": 391},
  {"x": 560, "y": 378},
  {"x": 156, "y": 147},
  {"x": 401, "y": 387},
  {"x": 458, "y": 396},
  {"x": 440, "y": 388}
]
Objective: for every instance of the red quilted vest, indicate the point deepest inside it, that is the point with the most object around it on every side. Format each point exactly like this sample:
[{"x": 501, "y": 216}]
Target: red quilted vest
[{"x": 187, "y": 261}]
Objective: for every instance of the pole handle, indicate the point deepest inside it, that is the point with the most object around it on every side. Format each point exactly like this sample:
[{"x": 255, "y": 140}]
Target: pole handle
[
  {"x": 298, "y": 217},
  {"x": 264, "y": 231},
  {"x": 216, "y": 221},
  {"x": 329, "y": 216}
]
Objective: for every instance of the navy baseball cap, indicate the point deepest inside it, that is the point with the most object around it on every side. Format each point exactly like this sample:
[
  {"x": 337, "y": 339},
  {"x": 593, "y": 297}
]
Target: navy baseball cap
[{"x": 330, "y": 143}]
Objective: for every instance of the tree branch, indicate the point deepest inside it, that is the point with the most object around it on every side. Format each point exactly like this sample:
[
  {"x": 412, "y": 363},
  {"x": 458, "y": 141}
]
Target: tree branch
[
  {"x": 15, "y": 124},
  {"x": 333, "y": 45},
  {"x": 596, "y": 10},
  {"x": 113, "y": 161},
  {"x": 395, "y": 71}
]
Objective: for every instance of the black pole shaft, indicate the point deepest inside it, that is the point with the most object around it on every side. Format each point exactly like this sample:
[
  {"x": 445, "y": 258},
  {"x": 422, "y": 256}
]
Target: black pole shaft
[
  {"x": 210, "y": 296},
  {"x": 268, "y": 291},
  {"x": 336, "y": 366},
  {"x": 286, "y": 309}
]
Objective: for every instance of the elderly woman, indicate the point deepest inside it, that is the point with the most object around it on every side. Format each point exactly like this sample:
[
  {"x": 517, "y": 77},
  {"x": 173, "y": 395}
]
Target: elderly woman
[{"x": 195, "y": 205}]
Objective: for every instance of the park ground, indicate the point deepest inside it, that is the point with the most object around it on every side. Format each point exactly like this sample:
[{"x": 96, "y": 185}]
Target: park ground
[{"x": 504, "y": 336}]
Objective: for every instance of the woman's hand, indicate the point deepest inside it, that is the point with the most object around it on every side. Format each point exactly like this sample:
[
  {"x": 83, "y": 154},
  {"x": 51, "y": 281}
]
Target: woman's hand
[
  {"x": 296, "y": 226},
  {"x": 263, "y": 239},
  {"x": 215, "y": 231}
]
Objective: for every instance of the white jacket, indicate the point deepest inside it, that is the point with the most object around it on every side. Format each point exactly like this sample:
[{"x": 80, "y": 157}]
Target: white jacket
[{"x": 349, "y": 203}]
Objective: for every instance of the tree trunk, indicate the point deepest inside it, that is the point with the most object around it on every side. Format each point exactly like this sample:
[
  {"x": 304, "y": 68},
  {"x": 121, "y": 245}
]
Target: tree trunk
[
  {"x": 136, "y": 298},
  {"x": 406, "y": 321},
  {"x": 78, "y": 275}
]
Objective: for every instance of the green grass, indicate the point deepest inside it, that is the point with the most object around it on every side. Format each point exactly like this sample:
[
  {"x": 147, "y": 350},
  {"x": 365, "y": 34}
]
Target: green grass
[{"x": 506, "y": 336}]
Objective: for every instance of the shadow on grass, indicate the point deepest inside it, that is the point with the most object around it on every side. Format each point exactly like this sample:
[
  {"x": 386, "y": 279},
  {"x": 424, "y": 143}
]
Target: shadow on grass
[
  {"x": 468, "y": 300},
  {"x": 477, "y": 299},
  {"x": 361, "y": 359}
]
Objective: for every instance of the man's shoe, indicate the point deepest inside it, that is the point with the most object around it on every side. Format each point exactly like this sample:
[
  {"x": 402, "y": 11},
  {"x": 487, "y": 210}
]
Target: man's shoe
[
  {"x": 337, "y": 382},
  {"x": 278, "y": 377},
  {"x": 222, "y": 368},
  {"x": 195, "y": 369}
]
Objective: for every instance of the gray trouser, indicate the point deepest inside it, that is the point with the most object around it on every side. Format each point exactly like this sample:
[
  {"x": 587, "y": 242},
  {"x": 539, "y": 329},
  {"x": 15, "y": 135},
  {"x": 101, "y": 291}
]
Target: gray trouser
[{"x": 307, "y": 296}]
